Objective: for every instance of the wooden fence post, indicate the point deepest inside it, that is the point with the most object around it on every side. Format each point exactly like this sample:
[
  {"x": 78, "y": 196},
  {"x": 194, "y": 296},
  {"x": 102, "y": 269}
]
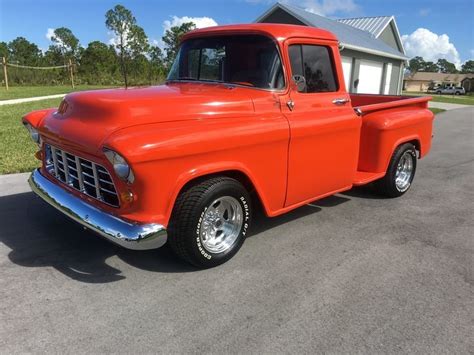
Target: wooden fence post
[
  {"x": 5, "y": 74},
  {"x": 71, "y": 73}
]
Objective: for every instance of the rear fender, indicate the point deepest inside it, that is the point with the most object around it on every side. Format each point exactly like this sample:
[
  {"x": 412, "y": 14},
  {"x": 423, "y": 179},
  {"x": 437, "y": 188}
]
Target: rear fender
[{"x": 383, "y": 131}]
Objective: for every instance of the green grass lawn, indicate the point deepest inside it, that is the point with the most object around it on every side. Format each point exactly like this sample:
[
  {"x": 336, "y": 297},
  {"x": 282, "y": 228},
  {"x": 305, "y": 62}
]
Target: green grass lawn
[
  {"x": 20, "y": 92},
  {"x": 450, "y": 99},
  {"x": 16, "y": 147},
  {"x": 436, "y": 110}
]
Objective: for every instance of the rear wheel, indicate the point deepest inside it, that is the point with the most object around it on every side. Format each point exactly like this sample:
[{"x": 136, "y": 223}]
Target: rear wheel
[
  {"x": 400, "y": 173},
  {"x": 210, "y": 221}
]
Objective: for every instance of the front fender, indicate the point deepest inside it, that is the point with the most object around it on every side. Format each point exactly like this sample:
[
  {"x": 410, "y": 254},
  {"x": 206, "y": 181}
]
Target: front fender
[
  {"x": 35, "y": 118},
  {"x": 166, "y": 156}
]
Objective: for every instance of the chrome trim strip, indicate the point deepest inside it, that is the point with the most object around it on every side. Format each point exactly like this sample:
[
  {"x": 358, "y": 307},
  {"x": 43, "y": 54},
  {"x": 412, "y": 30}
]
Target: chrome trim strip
[
  {"x": 130, "y": 235},
  {"x": 55, "y": 160},
  {"x": 66, "y": 168},
  {"x": 79, "y": 173},
  {"x": 96, "y": 182}
]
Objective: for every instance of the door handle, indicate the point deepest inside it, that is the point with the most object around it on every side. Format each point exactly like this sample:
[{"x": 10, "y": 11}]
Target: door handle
[{"x": 340, "y": 101}]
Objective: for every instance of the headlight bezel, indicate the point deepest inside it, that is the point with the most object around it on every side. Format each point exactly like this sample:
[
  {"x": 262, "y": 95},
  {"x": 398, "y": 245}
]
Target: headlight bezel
[
  {"x": 120, "y": 165},
  {"x": 34, "y": 134}
]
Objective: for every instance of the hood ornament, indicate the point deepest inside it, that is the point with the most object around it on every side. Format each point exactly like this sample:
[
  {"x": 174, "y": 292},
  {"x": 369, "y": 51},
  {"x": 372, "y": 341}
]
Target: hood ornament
[{"x": 63, "y": 106}]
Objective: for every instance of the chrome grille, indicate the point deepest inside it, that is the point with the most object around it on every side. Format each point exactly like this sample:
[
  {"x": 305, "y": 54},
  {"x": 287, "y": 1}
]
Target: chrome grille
[{"x": 83, "y": 175}]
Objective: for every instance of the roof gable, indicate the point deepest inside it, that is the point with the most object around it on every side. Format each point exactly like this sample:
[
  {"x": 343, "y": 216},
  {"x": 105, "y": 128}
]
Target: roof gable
[
  {"x": 373, "y": 25},
  {"x": 382, "y": 27},
  {"x": 349, "y": 36}
]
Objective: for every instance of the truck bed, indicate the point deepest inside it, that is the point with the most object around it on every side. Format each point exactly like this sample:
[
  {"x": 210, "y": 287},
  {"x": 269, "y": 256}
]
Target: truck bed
[
  {"x": 368, "y": 103},
  {"x": 388, "y": 121}
]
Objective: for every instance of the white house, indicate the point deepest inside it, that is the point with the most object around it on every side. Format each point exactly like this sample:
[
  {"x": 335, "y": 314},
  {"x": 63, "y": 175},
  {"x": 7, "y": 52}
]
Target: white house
[{"x": 373, "y": 57}]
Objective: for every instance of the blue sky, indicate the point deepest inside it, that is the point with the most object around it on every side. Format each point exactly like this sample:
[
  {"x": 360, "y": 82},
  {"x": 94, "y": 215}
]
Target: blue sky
[{"x": 434, "y": 28}]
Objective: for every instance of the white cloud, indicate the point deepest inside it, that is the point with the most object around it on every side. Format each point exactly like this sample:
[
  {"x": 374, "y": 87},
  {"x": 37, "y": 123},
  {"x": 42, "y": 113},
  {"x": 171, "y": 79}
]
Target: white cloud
[
  {"x": 320, "y": 7},
  {"x": 115, "y": 39},
  {"x": 328, "y": 7},
  {"x": 424, "y": 12},
  {"x": 49, "y": 33},
  {"x": 430, "y": 46},
  {"x": 200, "y": 22}
]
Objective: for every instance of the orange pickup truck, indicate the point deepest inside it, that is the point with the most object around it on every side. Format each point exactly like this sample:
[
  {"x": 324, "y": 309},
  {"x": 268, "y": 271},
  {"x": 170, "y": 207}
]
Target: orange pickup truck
[{"x": 250, "y": 115}]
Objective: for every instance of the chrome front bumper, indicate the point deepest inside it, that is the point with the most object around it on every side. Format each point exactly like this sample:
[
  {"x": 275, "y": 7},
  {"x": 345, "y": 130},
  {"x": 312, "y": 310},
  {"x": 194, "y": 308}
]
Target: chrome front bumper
[{"x": 127, "y": 234}]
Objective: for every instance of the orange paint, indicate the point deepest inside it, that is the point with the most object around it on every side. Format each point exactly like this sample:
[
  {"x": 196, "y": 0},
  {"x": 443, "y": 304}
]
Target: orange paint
[{"x": 174, "y": 133}]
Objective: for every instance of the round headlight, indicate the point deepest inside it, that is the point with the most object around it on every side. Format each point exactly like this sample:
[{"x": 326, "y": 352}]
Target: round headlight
[
  {"x": 121, "y": 167},
  {"x": 33, "y": 133}
]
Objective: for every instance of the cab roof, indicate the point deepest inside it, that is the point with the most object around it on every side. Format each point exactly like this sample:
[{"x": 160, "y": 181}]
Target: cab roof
[{"x": 280, "y": 32}]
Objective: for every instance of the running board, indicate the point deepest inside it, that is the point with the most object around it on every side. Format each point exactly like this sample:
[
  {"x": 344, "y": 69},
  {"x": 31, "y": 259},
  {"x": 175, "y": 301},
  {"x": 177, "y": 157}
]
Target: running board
[{"x": 364, "y": 177}]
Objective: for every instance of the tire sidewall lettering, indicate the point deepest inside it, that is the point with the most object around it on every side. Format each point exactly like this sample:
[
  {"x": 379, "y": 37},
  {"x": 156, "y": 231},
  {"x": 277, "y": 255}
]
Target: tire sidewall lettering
[
  {"x": 198, "y": 237},
  {"x": 246, "y": 223}
]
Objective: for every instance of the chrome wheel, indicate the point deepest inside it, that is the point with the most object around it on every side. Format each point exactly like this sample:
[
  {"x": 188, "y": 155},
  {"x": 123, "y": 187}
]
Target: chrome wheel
[
  {"x": 221, "y": 224},
  {"x": 404, "y": 172}
]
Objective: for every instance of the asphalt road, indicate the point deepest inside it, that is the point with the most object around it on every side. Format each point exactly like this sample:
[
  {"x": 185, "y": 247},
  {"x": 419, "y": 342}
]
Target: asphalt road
[{"x": 351, "y": 273}]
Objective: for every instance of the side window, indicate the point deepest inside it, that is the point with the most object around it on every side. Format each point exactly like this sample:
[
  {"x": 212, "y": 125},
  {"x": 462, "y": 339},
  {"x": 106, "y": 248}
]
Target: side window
[
  {"x": 296, "y": 60},
  {"x": 316, "y": 65}
]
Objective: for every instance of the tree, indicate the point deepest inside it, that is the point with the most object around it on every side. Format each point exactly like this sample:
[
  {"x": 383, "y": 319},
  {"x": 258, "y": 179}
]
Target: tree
[
  {"x": 98, "y": 63},
  {"x": 416, "y": 64},
  {"x": 67, "y": 44},
  {"x": 156, "y": 56},
  {"x": 468, "y": 67},
  {"x": 24, "y": 52},
  {"x": 446, "y": 67},
  {"x": 172, "y": 39},
  {"x": 156, "y": 63},
  {"x": 3, "y": 49},
  {"x": 131, "y": 39},
  {"x": 53, "y": 56},
  {"x": 430, "y": 67}
]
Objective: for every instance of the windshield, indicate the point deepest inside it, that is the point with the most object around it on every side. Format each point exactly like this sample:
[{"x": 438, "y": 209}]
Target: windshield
[{"x": 249, "y": 60}]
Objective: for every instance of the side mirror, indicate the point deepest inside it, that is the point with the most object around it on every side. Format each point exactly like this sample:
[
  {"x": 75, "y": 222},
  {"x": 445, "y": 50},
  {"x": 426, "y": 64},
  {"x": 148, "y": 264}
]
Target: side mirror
[{"x": 299, "y": 82}]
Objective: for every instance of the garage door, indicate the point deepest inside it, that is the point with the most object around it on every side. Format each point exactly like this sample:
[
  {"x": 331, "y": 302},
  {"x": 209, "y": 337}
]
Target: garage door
[
  {"x": 347, "y": 70},
  {"x": 370, "y": 77}
]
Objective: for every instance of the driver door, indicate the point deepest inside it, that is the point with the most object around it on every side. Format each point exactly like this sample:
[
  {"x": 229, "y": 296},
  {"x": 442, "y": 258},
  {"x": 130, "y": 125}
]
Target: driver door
[{"x": 325, "y": 131}]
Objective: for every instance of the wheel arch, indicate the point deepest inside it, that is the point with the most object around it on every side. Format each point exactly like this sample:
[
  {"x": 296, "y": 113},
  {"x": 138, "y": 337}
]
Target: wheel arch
[
  {"x": 415, "y": 140},
  {"x": 238, "y": 173}
]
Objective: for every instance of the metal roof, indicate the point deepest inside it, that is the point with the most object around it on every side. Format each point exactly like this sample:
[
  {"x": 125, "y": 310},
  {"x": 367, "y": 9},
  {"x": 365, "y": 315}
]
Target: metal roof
[
  {"x": 374, "y": 25},
  {"x": 429, "y": 76},
  {"x": 350, "y": 37}
]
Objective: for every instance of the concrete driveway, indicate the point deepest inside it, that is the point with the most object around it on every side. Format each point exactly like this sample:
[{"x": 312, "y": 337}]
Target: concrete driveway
[
  {"x": 445, "y": 105},
  {"x": 352, "y": 273}
]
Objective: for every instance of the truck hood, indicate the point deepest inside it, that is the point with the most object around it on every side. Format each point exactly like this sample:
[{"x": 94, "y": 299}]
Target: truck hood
[{"x": 85, "y": 119}]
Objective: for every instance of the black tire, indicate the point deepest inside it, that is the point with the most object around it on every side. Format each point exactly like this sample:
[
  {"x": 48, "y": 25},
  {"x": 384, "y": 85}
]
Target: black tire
[
  {"x": 438, "y": 92},
  {"x": 457, "y": 93},
  {"x": 189, "y": 210},
  {"x": 387, "y": 185}
]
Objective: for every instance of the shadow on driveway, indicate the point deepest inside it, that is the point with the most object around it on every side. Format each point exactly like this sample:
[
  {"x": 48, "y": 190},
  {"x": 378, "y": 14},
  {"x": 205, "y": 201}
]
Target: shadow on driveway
[{"x": 39, "y": 236}]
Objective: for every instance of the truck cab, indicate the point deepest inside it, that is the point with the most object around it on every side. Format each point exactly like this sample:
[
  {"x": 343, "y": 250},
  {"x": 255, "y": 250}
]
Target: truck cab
[{"x": 250, "y": 115}]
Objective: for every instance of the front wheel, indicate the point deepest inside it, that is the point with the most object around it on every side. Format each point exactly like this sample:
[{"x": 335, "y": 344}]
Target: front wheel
[
  {"x": 400, "y": 173},
  {"x": 210, "y": 221}
]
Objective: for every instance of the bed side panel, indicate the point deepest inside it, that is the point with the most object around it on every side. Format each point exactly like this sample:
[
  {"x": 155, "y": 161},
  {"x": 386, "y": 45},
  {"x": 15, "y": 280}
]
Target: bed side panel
[{"x": 382, "y": 131}]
